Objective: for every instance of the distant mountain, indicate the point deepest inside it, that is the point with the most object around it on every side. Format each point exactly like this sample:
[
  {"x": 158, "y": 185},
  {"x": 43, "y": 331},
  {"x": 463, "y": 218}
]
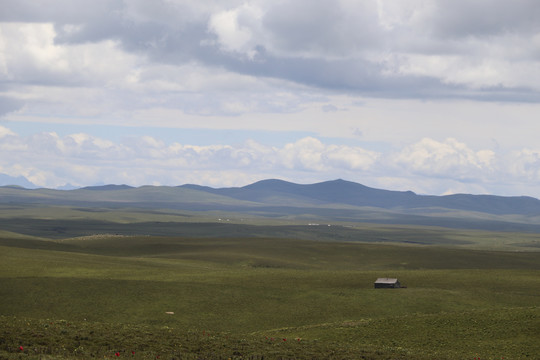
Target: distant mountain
[
  {"x": 336, "y": 200},
  {"x": 108, "y": 187},
  {"x": 279, "y": 192},
  {"x": 351, "y": 193},
  {"x": 6, "y": 180}
]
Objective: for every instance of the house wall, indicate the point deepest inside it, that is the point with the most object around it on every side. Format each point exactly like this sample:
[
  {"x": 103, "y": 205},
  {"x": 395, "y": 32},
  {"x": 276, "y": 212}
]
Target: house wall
[{"x": 387, "y": 286}]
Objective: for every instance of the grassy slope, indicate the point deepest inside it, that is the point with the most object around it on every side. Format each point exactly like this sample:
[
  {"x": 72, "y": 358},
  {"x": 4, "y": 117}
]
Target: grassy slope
[
  {"x": 64, "y": 222},
  {"x": 248, "y": 293},
  {"x": 146, "y": 194},
  {"x": 20, "y": 203}
]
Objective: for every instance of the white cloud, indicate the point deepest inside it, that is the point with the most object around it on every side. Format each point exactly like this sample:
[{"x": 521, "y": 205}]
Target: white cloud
[
  {"x": 310, "y": 154},
  {"x": 449, "y": 159},
  {"x": 236, "y": 29},
  {"x": 351, "y": 158},
  {"x": 524, "y": 164},
  {"x": 30, "y": 55},
  {"x": 83, "y": 159},
  {"x": 504, "y": 63},
  {"x": 5, "y": 132},
  {"x": 427, "y": 166}
]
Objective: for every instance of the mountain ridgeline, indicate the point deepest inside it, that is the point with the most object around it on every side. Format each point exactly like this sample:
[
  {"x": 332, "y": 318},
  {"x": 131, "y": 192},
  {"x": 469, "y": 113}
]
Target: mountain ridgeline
[
  {"x": 336, "y": 200},
  {"x": 346, "y": 192}
]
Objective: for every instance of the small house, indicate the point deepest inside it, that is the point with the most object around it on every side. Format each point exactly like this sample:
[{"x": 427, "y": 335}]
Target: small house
[{"x": 387, "y": 283}]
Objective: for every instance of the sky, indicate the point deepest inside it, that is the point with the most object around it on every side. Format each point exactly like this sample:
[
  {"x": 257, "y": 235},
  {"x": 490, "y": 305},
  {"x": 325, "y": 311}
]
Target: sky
[{"x": 433, "y": 96}]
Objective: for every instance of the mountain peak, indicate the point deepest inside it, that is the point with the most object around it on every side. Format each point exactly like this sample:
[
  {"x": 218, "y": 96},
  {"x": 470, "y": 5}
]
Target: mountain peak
[{"x": 21, "y": 181}]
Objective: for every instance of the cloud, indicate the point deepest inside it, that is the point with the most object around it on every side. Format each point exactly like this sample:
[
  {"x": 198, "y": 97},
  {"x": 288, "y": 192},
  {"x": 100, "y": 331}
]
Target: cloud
[
  {"x": 236, "y": 29},
  {"x": 329, "y": 108},
  {"x": 48, "y": 159},
  {"x": 404, "y": 71},
  {"x": 427, "y": 166},
  {"x": 325, "y": 29},
  {"x": 9, "y": 105},
  {"x": 5, "y": 132},
  {"x": 312, "y": 155},
  {"x": 450, "y": 159},
  {"x": 32, "y": 57},
  {"x": 461, "y": 18},
  {"x": 524, "y": 164},
  {"x": 404, "y": 49}
]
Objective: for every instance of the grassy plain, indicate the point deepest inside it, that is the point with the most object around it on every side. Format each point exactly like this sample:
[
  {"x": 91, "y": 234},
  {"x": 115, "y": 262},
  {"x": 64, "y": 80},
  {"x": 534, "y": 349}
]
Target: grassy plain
[{"x": 254, "y": 289}]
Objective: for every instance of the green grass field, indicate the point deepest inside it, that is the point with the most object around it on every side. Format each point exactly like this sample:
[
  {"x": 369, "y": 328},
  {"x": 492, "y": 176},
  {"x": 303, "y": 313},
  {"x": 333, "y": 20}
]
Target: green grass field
[{"x": 107, "y": 296}]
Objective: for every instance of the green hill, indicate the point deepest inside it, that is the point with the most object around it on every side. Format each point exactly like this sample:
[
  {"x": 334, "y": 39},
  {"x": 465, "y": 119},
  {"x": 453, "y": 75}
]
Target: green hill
[{"x": 241, "y": 297}]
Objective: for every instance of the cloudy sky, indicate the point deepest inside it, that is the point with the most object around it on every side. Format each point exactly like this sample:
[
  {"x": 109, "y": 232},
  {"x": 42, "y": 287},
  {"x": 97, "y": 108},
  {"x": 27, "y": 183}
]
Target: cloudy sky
[{"x": 434, "y": 96}]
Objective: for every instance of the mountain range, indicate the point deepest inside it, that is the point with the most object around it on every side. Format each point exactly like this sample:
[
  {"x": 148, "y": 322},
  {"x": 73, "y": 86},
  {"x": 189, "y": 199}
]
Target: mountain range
[
  {"x": 336, "y": 200},
  {"x": 339, "y": 191}
]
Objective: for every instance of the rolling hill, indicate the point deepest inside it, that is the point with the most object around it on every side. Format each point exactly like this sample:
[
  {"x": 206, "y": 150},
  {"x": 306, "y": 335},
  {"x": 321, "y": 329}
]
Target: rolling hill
[
  {"x": 337, "y": 200},
  {"x": 271, "y": 270}
]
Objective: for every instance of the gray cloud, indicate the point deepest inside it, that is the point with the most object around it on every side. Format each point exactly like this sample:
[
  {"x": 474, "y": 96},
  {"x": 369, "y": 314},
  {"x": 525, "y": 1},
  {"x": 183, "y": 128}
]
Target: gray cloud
[
  {"x": 322, "y": 28},
  {"x": 484, "y": 18},
  {"x": 58, "y": 11},
  {"x": 325, "y": 45},
  {"x": 8, "y": 105}
]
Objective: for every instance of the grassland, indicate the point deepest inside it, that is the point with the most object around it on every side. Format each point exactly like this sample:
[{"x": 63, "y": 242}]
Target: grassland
[
  {"x": 100, "y": 281},
  {"x": 255, "y": 297}
]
